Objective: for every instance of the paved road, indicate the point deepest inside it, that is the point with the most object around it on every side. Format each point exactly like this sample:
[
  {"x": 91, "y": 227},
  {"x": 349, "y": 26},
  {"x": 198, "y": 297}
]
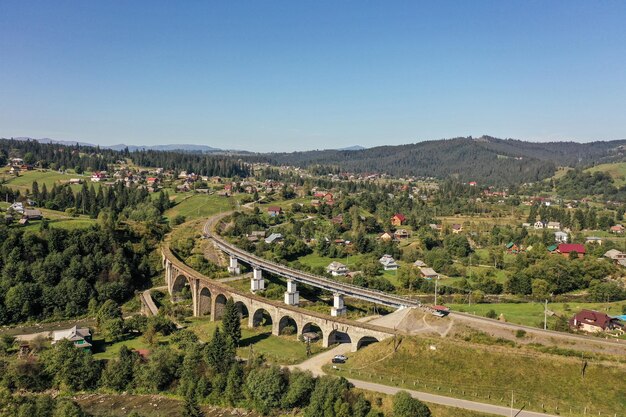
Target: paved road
[{"x": 315, "y": 366}]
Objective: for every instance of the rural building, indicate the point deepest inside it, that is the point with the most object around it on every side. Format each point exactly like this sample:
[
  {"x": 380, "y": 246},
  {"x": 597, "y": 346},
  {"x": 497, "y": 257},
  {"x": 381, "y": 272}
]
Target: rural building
[
  {"x": 560, "y": 237},
  {"x": 457, "y": 228},
  {"x": 388, "y": 263},
  {"x": 428, "y": 273},
  {"x": 401, "y": 234},
  {"x": 398, "y": 219},
  {"x": 618, "y": 229},
  {"x": 274, "y": 237},
  {"x": 566, "y": 248},
  {"x": 274, "y": 211},
  {"x": 593, "y": 239},
  {"x": 81, "y": 336},
  {"x": 553, "y": 225},
  {"x": 337, "y": 268},
  {"x": 32, "y": 214},
  {"x": 539, "y": 225},
  {"x": 419, "y": 263},
  {"x": 594, "y": 322},
  {"x": 512, "y": 248}
]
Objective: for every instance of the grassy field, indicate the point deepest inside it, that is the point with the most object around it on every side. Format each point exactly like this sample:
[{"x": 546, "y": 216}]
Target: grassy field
[
  {"x": 531, "y": 314},
  {"x": 617, "y": 171},
  {"x": 104, "y": 351},
  {"x": 25, "y": 180},
  {"x": 491, "y": 373},
  {"x": 200, "y": 205},
  {"x": 285, "y": 350}
]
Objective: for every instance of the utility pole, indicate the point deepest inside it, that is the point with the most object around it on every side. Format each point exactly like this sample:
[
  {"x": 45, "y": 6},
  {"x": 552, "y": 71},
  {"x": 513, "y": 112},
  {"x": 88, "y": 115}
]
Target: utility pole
[
  {"x": 511, "y": 403},
  {"x": 545, "y": 316},
  {"x": 437, "y": 280}
]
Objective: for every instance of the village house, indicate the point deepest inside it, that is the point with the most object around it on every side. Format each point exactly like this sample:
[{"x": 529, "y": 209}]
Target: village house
[
  {"x": 386, "y": 237},
  {"x": 560, "y": 237},
  {"x": 616, "y": 256},
  {"x": 98, "y": 176},
  {"x": 338, "y": 219},
  {"x": 398, "y": 219},
  {"x": 428, "y": 273},
  {"x": 419, "y": 263},
  {"x": 553, "y": 225},
  {"x": 594, "y": 322},
  {"x": 401, "y": 234},
  {"x": 593, "y": 239},
  {"x": 273, "y": 238},
  {"x": 512, "y": 248},
  {"x": 274, "y": 211},
  {"x": 388, "y": 263},
  {"x": 32, "y": 214},
  {"x": 337, "y": 268},
  {"x": 566, "y": 249},
  {"x": 74, "y": 181},
  {"x": 457, "y": 228},
  {"x": 81, "y": 336},
  {"x": 18, "y": 206},
  {"x": 539, "y": 224},
  {"x": 617, "y": 229}
]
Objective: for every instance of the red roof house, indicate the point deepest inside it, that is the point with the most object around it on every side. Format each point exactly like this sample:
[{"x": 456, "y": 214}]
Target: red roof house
[
  {"x": 593, "y": 322},
  {"x": 398, "y": 219},
  {"x": 566, "y": 248}
]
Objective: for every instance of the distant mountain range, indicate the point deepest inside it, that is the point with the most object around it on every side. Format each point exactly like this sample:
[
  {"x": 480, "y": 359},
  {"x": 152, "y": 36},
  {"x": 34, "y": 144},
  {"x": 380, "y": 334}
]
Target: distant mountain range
[{"x": 132, "y": 148}]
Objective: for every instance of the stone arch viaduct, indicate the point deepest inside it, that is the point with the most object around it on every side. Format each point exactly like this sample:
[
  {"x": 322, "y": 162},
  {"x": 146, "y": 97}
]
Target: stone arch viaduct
[{"x": 209, "y": 297}]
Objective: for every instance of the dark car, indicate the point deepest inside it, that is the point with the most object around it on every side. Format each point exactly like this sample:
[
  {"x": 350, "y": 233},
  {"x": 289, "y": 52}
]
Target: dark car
[{"x": 338, "y": 360}]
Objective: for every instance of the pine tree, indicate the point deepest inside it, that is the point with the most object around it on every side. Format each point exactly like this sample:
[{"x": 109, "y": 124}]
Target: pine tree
[
  {"x": 191, "y": 408},
  {"x": 231, "y": 322}
]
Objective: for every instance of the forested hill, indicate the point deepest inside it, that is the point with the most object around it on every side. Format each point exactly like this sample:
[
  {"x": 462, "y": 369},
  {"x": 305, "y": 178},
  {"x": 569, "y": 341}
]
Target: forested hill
[{"x": 485, "y": 159}]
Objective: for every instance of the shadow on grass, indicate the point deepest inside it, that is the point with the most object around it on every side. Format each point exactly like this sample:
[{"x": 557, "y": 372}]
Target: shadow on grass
[{"x": 254, "y": 339}]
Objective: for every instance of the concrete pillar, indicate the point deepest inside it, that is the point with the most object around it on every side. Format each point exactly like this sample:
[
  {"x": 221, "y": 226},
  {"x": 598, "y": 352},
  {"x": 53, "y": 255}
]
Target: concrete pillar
[
  {"x": 338, "y": 307},
  {"x": 257, "y": 283},
  {"x": 250, "y": 319},
  {"x": 233, "y": 266},
  {"x": 292, "y": 296}
]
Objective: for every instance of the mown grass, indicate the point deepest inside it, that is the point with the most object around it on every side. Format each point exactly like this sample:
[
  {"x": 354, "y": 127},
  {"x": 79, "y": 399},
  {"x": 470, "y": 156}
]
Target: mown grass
[
  {"x": 49, "y": 178},
  {"x": 490, "y": 374},
  {"x": 532, "y": 314},
  {"x": 617, "y": 171},
  {"x": 201, "y": 205}
]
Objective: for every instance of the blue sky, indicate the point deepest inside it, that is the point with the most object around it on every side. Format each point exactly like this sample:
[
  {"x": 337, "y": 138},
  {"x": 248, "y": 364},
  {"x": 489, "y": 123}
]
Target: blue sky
[{"x": 297, "y": 75}]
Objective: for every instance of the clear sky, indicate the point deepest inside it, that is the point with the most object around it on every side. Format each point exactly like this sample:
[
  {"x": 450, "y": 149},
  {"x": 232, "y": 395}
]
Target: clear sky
[{"x": 295, "y": 75}]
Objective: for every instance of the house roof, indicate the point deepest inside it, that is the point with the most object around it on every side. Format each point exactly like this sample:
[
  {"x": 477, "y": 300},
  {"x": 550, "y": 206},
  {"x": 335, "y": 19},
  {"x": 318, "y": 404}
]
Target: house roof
[
  {"x": 274, "y": 236},
  {"x": 274, "y": 208},
  {"x": 428, "y": 272},
  {"x": 571, "y": 247},
  {"x": 594, "y": 318},
  {"x": 74, "y": 333},
  {"x": 613, "y": 253},
  {"x": 419, "y": 263},
  {"x": 399, "y": 217},
  {"x": 552, "y": 248},
  {"x": 510, "y": 245},
  {"x": 335, "y": 266}
]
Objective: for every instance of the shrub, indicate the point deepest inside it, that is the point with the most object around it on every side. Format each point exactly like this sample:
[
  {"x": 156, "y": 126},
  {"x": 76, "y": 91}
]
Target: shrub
[
  {"x": 491, "y": 314},
  {"x": 520, "y": 333}
]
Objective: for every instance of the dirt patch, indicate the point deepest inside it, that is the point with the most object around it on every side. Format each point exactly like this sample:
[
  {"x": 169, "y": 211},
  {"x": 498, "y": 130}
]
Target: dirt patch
[{"x": 101, "y": 405}]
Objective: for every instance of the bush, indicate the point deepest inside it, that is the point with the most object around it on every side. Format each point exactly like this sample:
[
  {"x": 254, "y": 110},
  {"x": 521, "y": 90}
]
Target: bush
[
  {"x": 289, "y": 330},
  {"x": 180, "y": 219},
  {"x": 520, "y": 333},
  {"x": 491, "y": 314}
]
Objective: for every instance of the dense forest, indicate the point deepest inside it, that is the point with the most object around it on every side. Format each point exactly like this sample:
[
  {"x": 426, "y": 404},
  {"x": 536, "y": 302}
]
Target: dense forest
[
  {"x": 45, "y": 155},
  {"x": 487, "y": 160},
  {"x": 86, "y": 158},
  {"x": 577, "y": 184},
  {"x": 56, "y": 273},
  {"x": 198, "y": 163}
]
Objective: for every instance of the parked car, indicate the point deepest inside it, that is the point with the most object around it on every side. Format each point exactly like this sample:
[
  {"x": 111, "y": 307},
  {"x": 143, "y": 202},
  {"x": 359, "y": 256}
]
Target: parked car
[
  {"x": 342, "y": 357},
  {"x": 338, "y": 360}
]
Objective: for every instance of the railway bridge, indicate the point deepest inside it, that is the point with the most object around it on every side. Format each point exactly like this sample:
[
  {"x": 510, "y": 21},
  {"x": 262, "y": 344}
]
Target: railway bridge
[{"x": 209, "y": 298}]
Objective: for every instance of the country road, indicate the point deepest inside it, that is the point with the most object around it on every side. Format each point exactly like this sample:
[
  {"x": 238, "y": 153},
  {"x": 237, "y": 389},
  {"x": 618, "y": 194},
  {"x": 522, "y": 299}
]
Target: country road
[{"x": 314, "y": 365}]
